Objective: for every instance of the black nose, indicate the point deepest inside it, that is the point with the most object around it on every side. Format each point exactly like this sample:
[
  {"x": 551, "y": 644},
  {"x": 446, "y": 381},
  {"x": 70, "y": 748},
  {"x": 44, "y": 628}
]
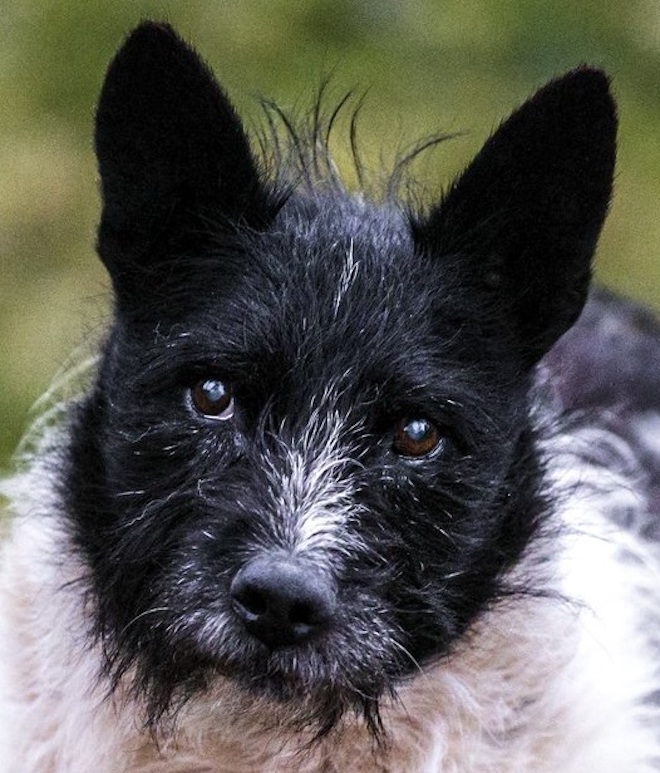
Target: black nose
[{"x": 282, "y": 601}]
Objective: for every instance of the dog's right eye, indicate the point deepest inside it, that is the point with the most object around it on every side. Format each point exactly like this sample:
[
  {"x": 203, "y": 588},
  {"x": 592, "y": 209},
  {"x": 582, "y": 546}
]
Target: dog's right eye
[
  {"x": 417, "y": 437},
  {"x": 213, "y": 399}
]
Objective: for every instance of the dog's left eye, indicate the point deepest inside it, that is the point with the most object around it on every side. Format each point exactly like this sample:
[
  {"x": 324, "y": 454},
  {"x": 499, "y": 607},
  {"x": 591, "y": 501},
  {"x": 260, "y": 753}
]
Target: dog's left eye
[
  {"x": 416, "y": 437},
  {"x": 213, "y": 399}
]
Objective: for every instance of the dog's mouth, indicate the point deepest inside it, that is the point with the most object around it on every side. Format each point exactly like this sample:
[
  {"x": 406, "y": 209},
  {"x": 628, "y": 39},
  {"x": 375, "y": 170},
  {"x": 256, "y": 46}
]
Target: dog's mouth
[
  {"x": 314, "y": 650},
  {"x": 315, "y": 664},
  {"x": 314, "y": 657},
  {"x": 312, "y": 688},
  {"x": 312, "y": 700}
]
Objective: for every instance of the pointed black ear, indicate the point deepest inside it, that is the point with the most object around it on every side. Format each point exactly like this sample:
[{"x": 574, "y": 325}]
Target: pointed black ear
[
  {"x": 172, "y": 153},
  {"x": 526, "y": 214}
]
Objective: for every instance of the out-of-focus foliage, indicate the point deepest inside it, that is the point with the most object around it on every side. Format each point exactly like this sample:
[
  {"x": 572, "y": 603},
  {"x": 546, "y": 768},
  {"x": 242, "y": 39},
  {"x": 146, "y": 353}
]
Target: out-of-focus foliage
[{"x": 456, "y": 66}]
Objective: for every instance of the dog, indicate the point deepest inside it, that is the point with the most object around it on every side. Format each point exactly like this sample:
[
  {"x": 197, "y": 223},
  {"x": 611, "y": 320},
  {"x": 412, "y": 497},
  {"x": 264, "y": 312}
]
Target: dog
[{"x": 354, "y": 485}]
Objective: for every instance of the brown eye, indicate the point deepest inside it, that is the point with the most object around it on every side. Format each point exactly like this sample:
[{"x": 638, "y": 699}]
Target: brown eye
[
  {"x": 213, "y": 399},
  {"x": 416, "y": 437}
]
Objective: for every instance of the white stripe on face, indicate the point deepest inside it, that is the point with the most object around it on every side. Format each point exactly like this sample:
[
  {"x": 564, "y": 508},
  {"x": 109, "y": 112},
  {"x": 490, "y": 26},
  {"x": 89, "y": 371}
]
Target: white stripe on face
[{"x": 315, "y": 492}]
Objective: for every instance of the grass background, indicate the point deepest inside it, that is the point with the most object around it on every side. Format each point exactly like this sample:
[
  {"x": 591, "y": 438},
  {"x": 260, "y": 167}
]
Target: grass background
[{"x": 428, "y": 66}]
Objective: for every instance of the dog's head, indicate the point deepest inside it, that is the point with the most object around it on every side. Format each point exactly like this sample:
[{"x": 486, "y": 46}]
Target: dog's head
[{"x": 307, "y": 462}]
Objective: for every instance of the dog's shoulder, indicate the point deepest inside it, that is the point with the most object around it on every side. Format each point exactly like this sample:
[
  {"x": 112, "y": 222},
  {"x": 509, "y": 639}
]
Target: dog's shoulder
[{"x": 606, "y": 373}]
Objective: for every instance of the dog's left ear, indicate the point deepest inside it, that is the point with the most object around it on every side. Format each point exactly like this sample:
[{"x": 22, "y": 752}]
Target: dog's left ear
[
  {"x": 173, "y": 157},
  {"x": 526, "y": 214}
]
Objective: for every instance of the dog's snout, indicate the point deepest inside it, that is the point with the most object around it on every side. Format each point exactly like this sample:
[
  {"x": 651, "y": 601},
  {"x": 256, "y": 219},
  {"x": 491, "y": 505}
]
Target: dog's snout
[{"x": 282, "y": 601}]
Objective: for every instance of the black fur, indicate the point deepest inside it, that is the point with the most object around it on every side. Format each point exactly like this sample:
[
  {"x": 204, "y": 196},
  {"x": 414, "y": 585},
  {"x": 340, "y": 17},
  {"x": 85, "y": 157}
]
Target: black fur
[{"x": 223, "y": 270}]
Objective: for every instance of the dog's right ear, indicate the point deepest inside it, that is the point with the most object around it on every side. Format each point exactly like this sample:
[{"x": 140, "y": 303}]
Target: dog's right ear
[
  {"x": 524, "y": 217},
  {"x": 172, "y": 156}
]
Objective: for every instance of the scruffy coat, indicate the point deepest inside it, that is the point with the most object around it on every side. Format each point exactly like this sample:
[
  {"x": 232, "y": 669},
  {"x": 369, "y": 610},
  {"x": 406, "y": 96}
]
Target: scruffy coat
[{"x": 394, "y": 409}]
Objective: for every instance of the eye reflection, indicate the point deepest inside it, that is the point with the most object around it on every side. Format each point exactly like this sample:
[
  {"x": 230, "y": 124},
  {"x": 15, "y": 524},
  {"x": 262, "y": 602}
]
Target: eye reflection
[
  {"x": 213, "y": 399},
  {"x": 416, "y": 437}
]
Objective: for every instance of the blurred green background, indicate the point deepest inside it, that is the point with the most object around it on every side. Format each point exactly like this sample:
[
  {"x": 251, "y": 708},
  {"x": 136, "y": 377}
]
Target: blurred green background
[{"x": 428, "y": 66}]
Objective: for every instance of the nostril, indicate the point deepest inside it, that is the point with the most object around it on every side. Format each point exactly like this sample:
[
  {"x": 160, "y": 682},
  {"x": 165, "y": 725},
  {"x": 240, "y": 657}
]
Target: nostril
[
  {"x": 249, "y": 601},
  {"x": 281, "y": 600}
]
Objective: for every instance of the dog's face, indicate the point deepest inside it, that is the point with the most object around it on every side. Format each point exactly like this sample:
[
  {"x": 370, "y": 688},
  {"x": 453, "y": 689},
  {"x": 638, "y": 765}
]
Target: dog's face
[{"x": 307, "y": 462}]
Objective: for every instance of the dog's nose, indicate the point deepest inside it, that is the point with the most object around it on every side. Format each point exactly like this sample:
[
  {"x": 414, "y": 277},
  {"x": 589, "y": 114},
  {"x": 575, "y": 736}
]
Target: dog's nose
[{"x": 281, "y": 601}]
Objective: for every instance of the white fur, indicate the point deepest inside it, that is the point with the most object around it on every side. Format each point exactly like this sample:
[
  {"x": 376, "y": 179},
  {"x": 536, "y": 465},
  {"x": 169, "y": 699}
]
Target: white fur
[
  {"x": 347, "y": 278},
  {"x": 543, "y": 684},
  {"x": 314, "y": 498}
]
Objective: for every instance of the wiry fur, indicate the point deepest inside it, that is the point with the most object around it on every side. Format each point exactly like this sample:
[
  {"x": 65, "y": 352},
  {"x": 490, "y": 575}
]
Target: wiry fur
[{"x": 491, "y": 605}]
